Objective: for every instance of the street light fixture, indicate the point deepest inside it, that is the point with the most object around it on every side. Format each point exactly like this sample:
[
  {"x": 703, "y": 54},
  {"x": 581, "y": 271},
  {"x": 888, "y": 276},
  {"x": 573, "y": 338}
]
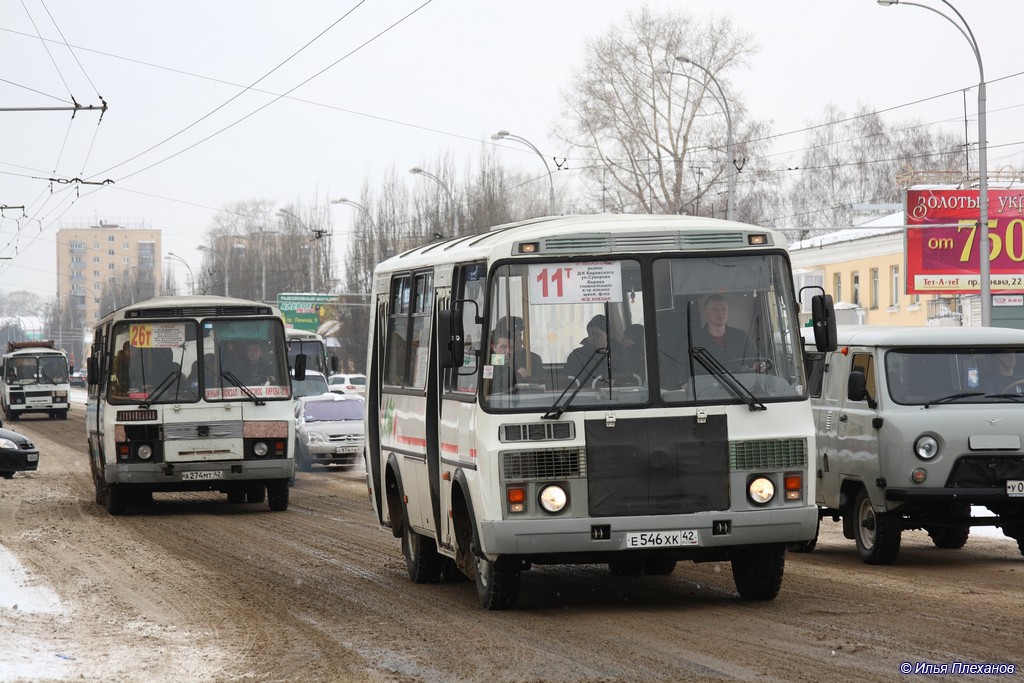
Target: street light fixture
[
  {"x": 416, "y": 170},
  {"x": 317, "y": 234},
  {"x": 504, "y": 134},
  {"x": 730, "y": 150},
  {"x": 357, "y": 205},
  {"x": 224, "y": 265},
  {"x": 191, "y": 278},
  {"x": 984, "y": 248}
]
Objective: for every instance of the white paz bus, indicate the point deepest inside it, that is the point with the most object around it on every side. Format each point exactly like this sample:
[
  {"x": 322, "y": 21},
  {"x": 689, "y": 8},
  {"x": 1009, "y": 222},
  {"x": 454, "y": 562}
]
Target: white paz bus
[
  {"x": 34, "y": 379},
  {"x": 553, "y": 391},
  {"x": 190, "y": 394}
]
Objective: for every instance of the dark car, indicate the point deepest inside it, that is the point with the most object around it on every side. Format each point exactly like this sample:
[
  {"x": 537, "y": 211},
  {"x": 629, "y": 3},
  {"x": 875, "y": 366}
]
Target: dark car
[
  {"x": 77, "y": 378},
  {"x": 17, "y": 454}
]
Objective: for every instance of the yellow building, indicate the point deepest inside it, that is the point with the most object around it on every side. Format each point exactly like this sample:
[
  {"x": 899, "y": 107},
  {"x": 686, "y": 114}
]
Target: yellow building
[
  {"x": 863, "y": 268},
  {"x": 106, "y": 266}
]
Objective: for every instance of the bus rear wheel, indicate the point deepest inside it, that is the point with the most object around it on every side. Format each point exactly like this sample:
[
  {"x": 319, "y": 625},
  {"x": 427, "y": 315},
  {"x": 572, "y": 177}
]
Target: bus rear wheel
[
  {"x": 421, "y": 558},
  {"x": 757, "y": 571},
  {"x": 497, "y": 582},
  {"x": 277, "y": 495}
]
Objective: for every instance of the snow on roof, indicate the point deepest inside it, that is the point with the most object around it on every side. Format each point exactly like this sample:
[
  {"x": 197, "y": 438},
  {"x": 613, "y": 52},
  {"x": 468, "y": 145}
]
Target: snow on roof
[{"x": 883, "y": 225}]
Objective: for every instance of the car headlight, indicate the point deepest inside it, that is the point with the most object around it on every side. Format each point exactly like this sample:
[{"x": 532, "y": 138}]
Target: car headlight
[
  {"x": 260, "y": 448},
  {"x": 760, "y": 490},
  {"x": 7, "y": 443},
  {"x": 553, "y": 498},
  {"x": 926, "y": 447},
  {"x": 314, "y": 437},
  {"x": 144, "y": 452}
]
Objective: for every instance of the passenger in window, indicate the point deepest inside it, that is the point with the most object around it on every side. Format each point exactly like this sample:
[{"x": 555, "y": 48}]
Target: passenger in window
[
  {"x": 633, "y": 341},
  {"x": 503, "y": 375},
  {"x": 528, "y": 365},
  {"x": 615, "y": 359},
  {"x": 1001, "y": 375}
]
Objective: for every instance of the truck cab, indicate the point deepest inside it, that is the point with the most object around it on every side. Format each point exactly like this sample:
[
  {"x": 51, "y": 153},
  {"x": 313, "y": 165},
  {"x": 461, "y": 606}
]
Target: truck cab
[{"x": 916, "y": 429}]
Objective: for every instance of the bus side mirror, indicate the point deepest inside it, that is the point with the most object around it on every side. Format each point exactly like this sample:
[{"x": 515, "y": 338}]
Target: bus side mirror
[
  {"x": 91, "y": 374},
  {"x": 823, "y": 316},
  {"x": 451, "y": 345},
  {"x": 300, "y": 367}
]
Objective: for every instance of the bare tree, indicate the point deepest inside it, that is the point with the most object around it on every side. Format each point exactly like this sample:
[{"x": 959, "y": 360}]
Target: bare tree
[
  {"x": 856, "y": 159},
  {"x": 655, "y": 142}
]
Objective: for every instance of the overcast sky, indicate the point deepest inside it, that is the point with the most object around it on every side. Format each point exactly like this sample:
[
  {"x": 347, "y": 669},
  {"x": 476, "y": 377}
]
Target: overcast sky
[{"x": 436, "y": 78}]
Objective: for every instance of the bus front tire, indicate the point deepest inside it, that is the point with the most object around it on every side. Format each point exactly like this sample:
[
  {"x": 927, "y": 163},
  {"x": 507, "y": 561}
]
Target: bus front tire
[
  {"x": 497, "y": 582},
  {"x": 757, "y": 571},
  {"x": 116, "y": 499},
  {"x": 421, "y": 558},
  {"x": 277, "y": 495},
  {"x": 877, "y": 533}
]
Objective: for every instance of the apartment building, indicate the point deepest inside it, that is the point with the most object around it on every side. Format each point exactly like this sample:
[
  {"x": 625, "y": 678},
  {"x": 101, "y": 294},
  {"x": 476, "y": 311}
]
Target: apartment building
[{"x": 105, "y": 266}]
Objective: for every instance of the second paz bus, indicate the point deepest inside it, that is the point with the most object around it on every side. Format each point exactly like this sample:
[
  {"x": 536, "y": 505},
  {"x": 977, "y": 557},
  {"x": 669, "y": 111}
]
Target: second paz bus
[{"x": 625, "y": 390}]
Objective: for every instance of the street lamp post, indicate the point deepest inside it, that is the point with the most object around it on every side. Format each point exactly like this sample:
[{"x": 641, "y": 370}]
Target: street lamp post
[
  {"x": 191, "y": 278},
  {"x": 416, "y": 170},
  {"x": 363, "y": 209},
  {"x": 984, "y": 248},
  {"x": 730, "y": 148},
  {"x": 316, "y": 235},
  {"x": 504, "y": 134},
  {"x": 224, "y": 265}
]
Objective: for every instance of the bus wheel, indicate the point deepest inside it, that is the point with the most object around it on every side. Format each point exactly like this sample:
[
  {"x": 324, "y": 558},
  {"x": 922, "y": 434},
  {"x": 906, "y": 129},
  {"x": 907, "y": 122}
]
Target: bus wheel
[
  {"x": 62, "y": 414},
  {"x": 497, "y": 582},
  {"x": 7, "y": 475},
  {"x": 421, "y": 558},
  {"x": 13, "y": 415},
  {"x": 256, "y": 493},
  {"x": 116, "y": 499},
  {"x": 277, "y": 495},
  {"x": 757, "y": 571},
  {"x": 877, "y": 533},
  {"x": 806, "y": 546}
]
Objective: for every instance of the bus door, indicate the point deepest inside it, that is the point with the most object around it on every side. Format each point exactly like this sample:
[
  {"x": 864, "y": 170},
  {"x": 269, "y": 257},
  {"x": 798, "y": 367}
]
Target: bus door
[{"x": 457, "y": 418}]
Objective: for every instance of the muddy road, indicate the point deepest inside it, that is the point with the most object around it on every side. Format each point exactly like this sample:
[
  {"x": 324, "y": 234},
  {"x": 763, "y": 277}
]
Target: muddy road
[{"x": 195, "y": 588}]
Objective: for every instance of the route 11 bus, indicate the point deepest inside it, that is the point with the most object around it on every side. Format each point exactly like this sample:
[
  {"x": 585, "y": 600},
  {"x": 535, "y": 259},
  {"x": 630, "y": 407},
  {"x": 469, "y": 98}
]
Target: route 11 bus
[
  {"x": 34, "y": 379},
  {"x": 190, "y": 394},
  {"x": 497, "y": 439}
]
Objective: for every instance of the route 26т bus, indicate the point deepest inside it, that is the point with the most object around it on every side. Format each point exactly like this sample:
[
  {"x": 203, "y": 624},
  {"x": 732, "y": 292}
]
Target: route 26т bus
[
  {"x": 496, "y": 439},
  {"x": 190, "y": 393}
]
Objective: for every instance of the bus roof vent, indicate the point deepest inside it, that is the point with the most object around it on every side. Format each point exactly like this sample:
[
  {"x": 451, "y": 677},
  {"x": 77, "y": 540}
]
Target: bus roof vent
[
  {"x": 601, "y": 243},
  {"x": 198, "y": 311}
]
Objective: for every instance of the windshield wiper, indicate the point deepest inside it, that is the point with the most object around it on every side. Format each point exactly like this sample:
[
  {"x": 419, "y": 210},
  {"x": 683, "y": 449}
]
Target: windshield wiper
[
  {"x": 954, "y": 397},
  {"x": 230, "y": 376},
  {"x": 735, "y": 387},
  {"x": 555, "y": 411},
  {"x": 164, "y": 384},
  {"x": 1015, "y": 397}
]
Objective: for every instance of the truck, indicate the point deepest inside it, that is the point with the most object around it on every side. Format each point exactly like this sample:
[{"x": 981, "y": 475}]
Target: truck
[
  {"x": 34, "y": 379},
  {"x": 918, "y": 428}
]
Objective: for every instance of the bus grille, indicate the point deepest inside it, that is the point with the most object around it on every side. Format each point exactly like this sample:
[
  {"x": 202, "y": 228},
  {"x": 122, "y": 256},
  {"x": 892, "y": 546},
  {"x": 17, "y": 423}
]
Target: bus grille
[
  {"x": 555, "y": 463},
  {"x": 203, "y": 430},
  {"x": 767, "y": 454}
]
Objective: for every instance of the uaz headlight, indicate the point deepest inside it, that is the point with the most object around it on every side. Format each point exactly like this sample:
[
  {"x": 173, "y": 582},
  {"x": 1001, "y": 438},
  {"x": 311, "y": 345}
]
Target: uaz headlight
[{"x": 926, "y": 447}]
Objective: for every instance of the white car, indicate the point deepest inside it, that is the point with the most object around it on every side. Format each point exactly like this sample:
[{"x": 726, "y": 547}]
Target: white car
[
  {"x": 328, "y": 430},
  {"x": 314, "y": 384},
  {"x": 347, "y": 384}
]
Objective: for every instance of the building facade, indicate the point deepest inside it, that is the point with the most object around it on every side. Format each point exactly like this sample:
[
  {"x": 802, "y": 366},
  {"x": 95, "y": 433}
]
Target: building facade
[{"x": 104, "y": 267}]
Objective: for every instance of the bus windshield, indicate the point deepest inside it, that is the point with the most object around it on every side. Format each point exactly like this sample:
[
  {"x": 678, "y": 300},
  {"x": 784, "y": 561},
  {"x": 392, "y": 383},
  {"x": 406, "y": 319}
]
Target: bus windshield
[
  {"x": 687, "y": 329},
  {"x": 46, "y": 369},
  {"x": 170, "y": 362}
]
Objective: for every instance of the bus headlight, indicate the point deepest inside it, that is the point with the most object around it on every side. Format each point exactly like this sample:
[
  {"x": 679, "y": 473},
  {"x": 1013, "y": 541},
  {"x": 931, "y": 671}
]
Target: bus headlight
[
  {"x": 260, "y": 448},
  {"x": 144, "y": 452},
  {"x": 553, "y": 498},
  {"x": 926, "y": 447},
  {"x": 760, "y": 490}
]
